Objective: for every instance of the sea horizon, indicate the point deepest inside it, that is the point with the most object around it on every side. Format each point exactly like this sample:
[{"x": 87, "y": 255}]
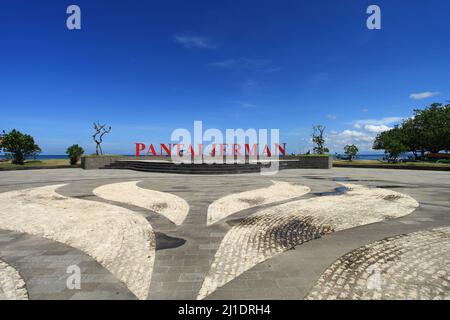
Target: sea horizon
[{"x": 365, "y": 156}]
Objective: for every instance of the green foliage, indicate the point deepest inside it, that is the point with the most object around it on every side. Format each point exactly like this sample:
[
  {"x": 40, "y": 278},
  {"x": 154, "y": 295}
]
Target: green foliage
[
  {"x": 427, "y": 131},
  {"x": 391, "y": 142},
  {"x": 18, "y": 146},
  {"x": 319, "y": 140},
  {"x": 412, "y": 136},
  {"x": 395, "y": 149},
  {"x": 351, "y": 151},
  {"x": 315, "y": 155},
  {"x": 74, "y": 152},
  {"x": 433, "y": 126},
  {"x": 102, "y": 155}
]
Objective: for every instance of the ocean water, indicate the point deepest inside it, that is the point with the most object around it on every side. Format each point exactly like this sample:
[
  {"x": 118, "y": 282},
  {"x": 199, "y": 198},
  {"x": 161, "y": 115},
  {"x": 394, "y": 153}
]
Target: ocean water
[
  {"x": 63, "y": 156},
  {"x": 44, "y": 157},
  {"x": 379, "y": 156}
]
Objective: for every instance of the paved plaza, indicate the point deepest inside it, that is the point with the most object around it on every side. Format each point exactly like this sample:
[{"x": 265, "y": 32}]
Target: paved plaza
[{"x": 300, "y": 234}]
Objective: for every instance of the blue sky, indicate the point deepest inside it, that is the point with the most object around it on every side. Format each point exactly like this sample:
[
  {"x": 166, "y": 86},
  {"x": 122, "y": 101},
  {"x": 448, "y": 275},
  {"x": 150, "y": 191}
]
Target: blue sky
[{"x": 149, "y": 67}]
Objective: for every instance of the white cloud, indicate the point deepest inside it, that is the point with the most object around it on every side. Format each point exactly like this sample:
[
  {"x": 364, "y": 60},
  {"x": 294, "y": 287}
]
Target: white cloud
[
  {"x": 224, "y": 64},
  {"x": 355, "y": 135},
  {"x": 272, "y": 70},
  {"x": 365, "y": 110},
  {"x": 194, "y": 42},
  {"x": 319, "y": 78},
  {"x": 303, "y": 133},
  {"x": 423, "y": 95},
  {"x": 331, "y": 116},
  {"x": 245, "y": 63},
  {"x": 362, "y": 134},
  {"x": 379, "y": 122},
  {"x": 250, "y": 87},
  {"x": 363, "y": 140},
  {"x": 376, "y": 129},
  {"x": 247, "y": 105}
]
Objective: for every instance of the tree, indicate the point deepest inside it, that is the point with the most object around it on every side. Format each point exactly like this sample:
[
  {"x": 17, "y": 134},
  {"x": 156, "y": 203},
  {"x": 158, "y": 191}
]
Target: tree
[
  {"x": 74, "y": 152},
  {"x": 428, "y": 130},
  {"x": 100, "y": 131},
  {"x": 1, "y": 139},
  {"x": 412, "y": 137},
  {"x": 395, "y": 149},
  {"x": 351, "y": 151},
  {"x": 391, "y": 142},
  {"x": 18, "y": 146},
  {"x": 319, "y": 140},
  {"x": 432, "y": 127}
]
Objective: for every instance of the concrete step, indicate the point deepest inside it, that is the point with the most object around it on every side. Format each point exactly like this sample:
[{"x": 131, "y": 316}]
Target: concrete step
[
  {"x": 185, "y": 168},
  {"x": 203, "y": 168}
]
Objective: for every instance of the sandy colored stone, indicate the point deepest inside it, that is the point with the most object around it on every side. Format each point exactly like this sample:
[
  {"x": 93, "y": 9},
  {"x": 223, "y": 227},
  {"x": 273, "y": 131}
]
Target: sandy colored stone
[
  {"x": 236, "y": 202},
  {"x": 170, "y": 206},
  {"x": 120, "y": 240},
  {"x": 274, "y": 230}
]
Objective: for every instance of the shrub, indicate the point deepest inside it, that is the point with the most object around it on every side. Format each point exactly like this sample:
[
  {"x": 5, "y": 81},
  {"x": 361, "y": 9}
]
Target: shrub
[
  {"x": 18, "y": 146},
  {"x": 319, "y": 140},
  {"x": 351, "y": 151},
  {"x": 74, "y": 152}
]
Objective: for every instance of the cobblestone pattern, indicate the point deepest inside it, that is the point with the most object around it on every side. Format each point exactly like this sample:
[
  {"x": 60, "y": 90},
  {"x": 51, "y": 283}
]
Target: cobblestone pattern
[
  {"x": 43, "y": 265},
  {"x": 413, "y": 266},
  {"x": 236, "y": 202},
  {"x": 171, "y": 206},
  {"x": 179, "y": 272},
  {"x": 271, "y": 231},
  {"x": 12, "y": 286},
  {"x": 120, "y": 240}
]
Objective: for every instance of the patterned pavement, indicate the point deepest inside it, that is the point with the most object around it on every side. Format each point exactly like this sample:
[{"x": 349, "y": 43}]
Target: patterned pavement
[
  {"x": 117, "y": 238},
  {"x": 12, "y": 286},
  {"x": 248, "y": 253},
  {"x": 269, "y": 232},
  {"x": 43, "y": 265},
  {"x": 411, "y": 266}
]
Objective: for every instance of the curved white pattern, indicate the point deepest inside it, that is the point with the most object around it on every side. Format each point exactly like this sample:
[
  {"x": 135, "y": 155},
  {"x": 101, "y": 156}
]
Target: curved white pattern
[
  {"x": 12, "y": 286},
  {"x": 120, "y": 240},
  {"x": 236, "y": 202},
  {"x": 413, "y": 266},
  {"x": 170, "y": 206},
  {"x": 274, "y": 230}
]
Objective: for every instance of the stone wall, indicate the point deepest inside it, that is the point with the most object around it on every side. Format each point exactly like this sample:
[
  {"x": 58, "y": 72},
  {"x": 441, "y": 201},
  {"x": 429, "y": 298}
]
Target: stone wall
[
  {"x": 310, "y": 162},
  {"x": 90, "y": 163},
  {"x": 100, "y": 162}
]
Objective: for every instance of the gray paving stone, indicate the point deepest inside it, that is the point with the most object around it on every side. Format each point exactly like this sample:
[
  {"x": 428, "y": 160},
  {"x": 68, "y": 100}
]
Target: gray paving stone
[
  {"x": 43, "y": 266},
  {"x": 289, "y": 276},
  {"x": 191, "y": 277}
]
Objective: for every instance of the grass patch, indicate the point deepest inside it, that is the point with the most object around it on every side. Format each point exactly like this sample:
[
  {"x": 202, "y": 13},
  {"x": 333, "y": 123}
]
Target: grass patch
[
  {"x": 102, "y": 156},
  {"x": 7, "y": 165},
  {"x": 315, "y": 155},
  {"x": 383, "y": 164},
  {"x": 306, "y": 155}
]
